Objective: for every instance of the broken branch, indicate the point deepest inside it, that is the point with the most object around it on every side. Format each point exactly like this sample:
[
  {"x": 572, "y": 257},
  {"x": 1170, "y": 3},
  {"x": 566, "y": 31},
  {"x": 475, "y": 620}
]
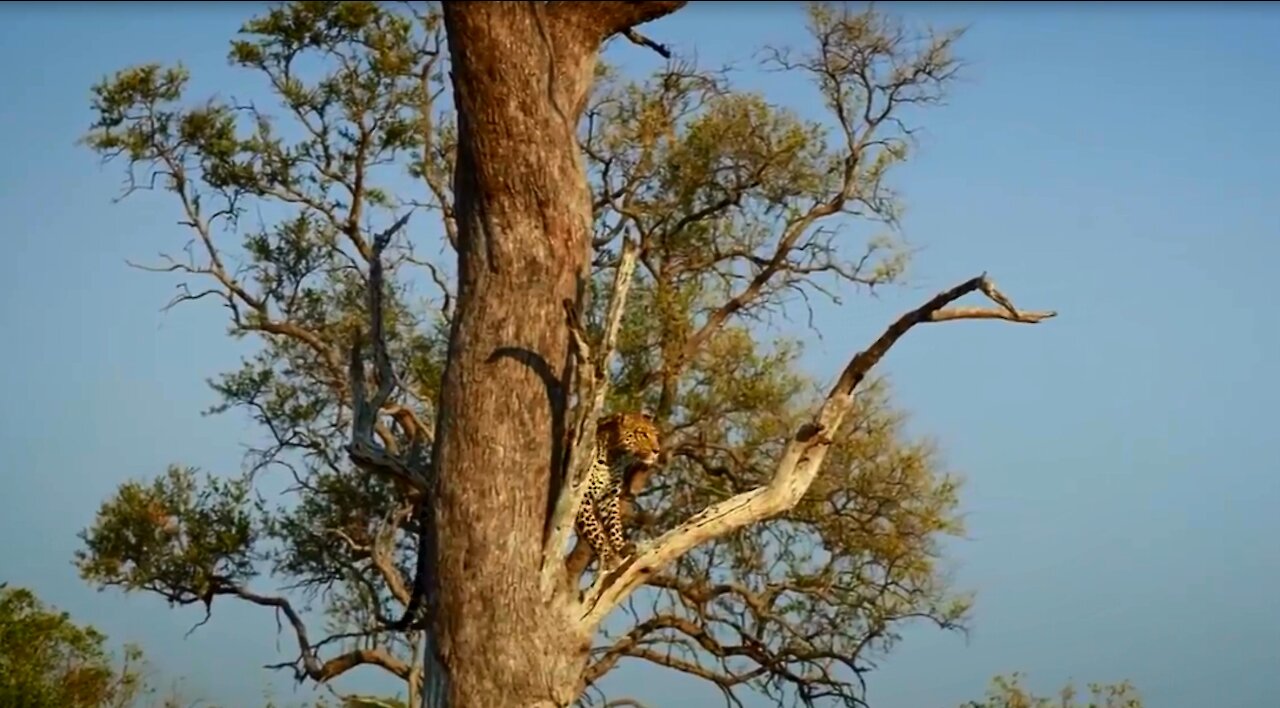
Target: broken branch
[
  {"x": 640, "y": 40},
  {"x": 366, "y": 453},
  {"x": 800, "y": 460}
]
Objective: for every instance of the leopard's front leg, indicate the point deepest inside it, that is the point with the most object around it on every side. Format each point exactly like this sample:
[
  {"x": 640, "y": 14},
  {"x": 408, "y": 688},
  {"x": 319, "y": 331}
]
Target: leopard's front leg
[
  {"x": 611, "y": 517},
  {"x": 590, "y": 530}
]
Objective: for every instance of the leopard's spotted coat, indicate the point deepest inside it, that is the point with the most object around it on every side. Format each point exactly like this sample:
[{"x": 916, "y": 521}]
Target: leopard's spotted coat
[{"x": 623, "y": 441}]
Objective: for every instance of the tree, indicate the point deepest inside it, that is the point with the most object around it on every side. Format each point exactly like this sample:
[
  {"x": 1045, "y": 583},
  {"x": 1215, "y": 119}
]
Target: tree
[
  {"x": 48, "y": 661},
  {"x": 671, "y": 215},
  {"x": 1008, "y": 692}
]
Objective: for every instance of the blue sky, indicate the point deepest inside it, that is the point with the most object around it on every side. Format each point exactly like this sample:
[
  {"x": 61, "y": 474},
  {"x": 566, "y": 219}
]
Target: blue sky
[{"x": 1114, "y": 163}]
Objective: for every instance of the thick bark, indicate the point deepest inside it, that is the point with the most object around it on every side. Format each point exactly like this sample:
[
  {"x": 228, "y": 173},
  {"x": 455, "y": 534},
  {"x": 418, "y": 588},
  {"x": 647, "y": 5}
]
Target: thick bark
[{"x": 521, "y": 73}]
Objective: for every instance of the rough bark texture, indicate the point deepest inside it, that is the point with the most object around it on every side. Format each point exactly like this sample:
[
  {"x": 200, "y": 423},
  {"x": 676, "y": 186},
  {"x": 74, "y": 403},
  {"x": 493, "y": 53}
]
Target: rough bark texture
[{"x": 521, "y": 73}]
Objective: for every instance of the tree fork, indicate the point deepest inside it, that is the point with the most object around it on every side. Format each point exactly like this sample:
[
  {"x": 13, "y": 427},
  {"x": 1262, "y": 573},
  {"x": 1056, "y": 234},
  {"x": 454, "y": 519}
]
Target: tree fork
[{"x": 801, "y": 459}]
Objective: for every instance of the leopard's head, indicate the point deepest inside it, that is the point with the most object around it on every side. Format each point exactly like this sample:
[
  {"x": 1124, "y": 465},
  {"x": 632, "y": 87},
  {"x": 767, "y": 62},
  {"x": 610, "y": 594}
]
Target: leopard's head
[{"x": 630, "y": 435}]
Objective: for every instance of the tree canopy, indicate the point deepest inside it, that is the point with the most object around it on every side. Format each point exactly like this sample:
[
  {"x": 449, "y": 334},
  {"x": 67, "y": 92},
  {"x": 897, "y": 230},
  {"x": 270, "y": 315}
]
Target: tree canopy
[{"x": 738, "y": 212}]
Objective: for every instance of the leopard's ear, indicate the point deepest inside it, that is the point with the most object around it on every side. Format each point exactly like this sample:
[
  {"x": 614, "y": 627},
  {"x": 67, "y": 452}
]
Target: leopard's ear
[
  {"x": 646, "y": 416},
  {"x": 608, "y": 422}
]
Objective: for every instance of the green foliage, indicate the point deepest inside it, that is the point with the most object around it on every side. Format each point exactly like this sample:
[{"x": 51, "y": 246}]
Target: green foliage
[
  {"x": 1008, "y": 692},
  {"x": 739, "y": 207},
  {"x": 355, "y": 86},
  {"x": 176, "y": 536},
  {"x": 48, "y": 661}
]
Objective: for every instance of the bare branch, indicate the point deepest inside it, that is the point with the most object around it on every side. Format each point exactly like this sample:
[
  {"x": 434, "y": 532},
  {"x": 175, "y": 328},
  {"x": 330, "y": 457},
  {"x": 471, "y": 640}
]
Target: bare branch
[
  {"x": 640, "y": 40},
  {"x": 311, "y": 666},
  {"x": 364, "y": 451},
  {"x": 796, "y": 469},
  {"x": 593, "y": 386},
  {"x": 380, "y": 554},
  {"x": 985, "y": 313}
]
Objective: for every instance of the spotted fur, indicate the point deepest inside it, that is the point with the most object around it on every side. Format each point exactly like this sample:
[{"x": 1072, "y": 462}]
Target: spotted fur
[{"x": 623, "y": 441}]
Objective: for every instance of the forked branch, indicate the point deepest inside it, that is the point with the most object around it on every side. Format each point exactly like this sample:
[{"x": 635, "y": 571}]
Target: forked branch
[
  {"x": 801, "y": 458},
  {"x": 409, "y": 469},
  {"x": 592, "y": 385},
  {"x": 307, "y": 664}
]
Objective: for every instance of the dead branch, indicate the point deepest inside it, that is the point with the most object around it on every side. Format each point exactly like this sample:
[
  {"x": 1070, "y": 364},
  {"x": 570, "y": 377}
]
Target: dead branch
[
  {"x": 411, "y": 468},
  {"x": 380, "y": 555},
  {"x": 799, "y": 462},
  {"x": 311, "y": 666},
  {"x": 984, "y": 313},
  {"x": 592, "y": 387},
  {"x": 408, "y": 470},
  {"x": 640, "y": 40}
]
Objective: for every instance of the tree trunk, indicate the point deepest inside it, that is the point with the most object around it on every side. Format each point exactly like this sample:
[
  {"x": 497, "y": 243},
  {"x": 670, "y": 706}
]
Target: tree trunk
[{"x": 521, "y": 73}]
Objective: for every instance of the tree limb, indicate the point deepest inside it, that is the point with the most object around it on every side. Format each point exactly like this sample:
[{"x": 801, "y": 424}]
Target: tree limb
[
  {"x": 380, "y": 555},
  {"x": 592, "y": 387},
  {"x": 799, "y": 462},
  {"x": 408, "y": 470},
  {"x": 642, "y": 41},
  {"x": 311, "y": 665}
]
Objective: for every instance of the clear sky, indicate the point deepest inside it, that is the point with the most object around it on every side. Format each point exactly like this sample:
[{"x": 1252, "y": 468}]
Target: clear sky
[{"x": 1117, "y": 164}]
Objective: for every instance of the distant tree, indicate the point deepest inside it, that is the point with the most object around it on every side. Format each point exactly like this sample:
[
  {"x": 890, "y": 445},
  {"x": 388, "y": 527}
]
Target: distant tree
[
  {"x": 676, "y": 215},
  {"x": 48, "y": 661},
  {"x": 1008, "y": 692}
]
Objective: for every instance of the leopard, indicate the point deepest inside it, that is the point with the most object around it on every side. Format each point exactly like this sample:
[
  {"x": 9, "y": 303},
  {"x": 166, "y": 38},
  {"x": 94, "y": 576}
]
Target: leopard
[{"x": 625, "y": 442}]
